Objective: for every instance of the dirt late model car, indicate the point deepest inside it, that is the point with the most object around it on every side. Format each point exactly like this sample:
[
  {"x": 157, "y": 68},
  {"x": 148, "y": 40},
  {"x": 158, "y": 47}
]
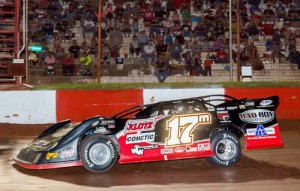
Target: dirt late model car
[{"x": 207, "y": 126}]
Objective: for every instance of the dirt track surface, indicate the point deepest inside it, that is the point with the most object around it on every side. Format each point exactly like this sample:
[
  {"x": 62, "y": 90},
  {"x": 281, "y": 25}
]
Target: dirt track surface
[{"x": 273, "y": 169}]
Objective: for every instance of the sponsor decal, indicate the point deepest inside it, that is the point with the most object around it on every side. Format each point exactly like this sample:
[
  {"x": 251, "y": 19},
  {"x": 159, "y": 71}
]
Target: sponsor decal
[
  {"x": 191, "y": 149},
  {"x": 224, "y": 116},
  {"x": 261, "y": 133},
  {"x": 69, "y": 153},
  {"x": 242, "y": 106},
  {"x": 140, "y": 137},
  {"x": 266, "y": 102},
  {"x": 179, "y": 149},
  {"x": 220, "y": 108},
  {"x": 51, "y": 155},
  {"x": 139, "y": 150},
  {"x": 249, "y": 104},
  {"x": 257, "y": 116},
  {"x": 141, "y": 124},
  {"x": 203, "y": 147},
  {"x": 166, "y": 151},
  {"x": 232, "y": 108}
]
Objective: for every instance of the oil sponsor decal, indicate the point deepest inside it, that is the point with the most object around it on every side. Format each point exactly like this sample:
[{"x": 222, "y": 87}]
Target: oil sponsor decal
[
  {"x": 140, "y": 137},
  {"x": 141, "y": 124},
  {"x": 139, "y": 150},
  {"x": 257, "y": 116},
  {"x": 179, "y": 149},
  {"x": 51, "y": 155}
]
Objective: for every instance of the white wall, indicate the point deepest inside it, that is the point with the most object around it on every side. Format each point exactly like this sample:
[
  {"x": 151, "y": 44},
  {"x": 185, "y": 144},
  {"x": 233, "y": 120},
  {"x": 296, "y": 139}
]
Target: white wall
[{"x": 28, "y": 107}]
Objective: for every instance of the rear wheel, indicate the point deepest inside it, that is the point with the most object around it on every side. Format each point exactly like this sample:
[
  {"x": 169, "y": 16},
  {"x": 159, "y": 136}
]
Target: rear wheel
[
  {"x": 227, "y": 149},
  {"x": 98, "y": 153}
]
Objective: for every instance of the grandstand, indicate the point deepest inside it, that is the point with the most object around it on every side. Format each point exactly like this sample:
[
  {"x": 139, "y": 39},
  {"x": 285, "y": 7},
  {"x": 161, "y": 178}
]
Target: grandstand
[{"x": 124, "y": 67}]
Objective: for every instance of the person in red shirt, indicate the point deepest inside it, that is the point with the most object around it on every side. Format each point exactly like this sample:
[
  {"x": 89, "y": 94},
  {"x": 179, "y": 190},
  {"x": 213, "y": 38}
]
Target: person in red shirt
[
  {"x": 207, "y": 65},
  {"x": 221, "y": 56},
  {"x": 67, "y": 64}
]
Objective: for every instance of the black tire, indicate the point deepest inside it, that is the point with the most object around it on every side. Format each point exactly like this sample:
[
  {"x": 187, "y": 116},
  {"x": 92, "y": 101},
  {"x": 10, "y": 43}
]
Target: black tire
[
  {"x": 227, "y": 149},
  {"x": 98, "y": 153}
]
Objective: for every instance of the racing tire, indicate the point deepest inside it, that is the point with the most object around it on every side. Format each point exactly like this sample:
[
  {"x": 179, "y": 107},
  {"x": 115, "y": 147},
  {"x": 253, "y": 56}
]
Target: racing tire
[
  {"x": 227, "y": 149},
  {"x": 98, "y": 153}
]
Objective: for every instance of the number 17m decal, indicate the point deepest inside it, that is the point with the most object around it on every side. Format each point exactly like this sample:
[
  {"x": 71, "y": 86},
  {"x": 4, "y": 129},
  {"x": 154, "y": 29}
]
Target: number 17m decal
[{"x": 181, "y": 128}]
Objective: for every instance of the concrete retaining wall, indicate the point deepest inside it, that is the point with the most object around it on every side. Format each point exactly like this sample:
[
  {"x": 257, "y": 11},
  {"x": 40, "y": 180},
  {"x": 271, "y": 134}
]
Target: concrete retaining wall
[{"x": 41, "y": 107}]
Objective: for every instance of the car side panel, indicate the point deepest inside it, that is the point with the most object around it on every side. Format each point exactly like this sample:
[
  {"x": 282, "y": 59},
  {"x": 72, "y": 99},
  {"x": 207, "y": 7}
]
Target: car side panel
[{"x": 166, "y": 137}]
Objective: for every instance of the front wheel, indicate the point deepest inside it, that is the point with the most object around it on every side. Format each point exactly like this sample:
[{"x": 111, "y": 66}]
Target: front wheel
[
  {"x": 227, "y": 149},
  {"x": 98, "y": 153}
]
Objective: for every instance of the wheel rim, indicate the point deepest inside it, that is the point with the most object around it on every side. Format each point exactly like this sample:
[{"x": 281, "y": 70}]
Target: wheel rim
[
  {"x": 226, "y": 149},
  {"x": 99, "y": 154}
]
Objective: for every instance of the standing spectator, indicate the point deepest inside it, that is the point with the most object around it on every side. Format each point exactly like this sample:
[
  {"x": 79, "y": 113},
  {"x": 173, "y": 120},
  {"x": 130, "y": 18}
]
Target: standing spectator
[
  {"x": 269, "y": 14},
  {"x": 149, "y": 53},
  {"x": 115, "y": 42},
  {"x": 176, "y": 50},
  {"x": 207, "y": 65},
  {"x": 48, "y": 27},
  {"x": 143, "y": 38},
  {"x": 280, "y": 11},
  {"x": 276, "y": 49}
]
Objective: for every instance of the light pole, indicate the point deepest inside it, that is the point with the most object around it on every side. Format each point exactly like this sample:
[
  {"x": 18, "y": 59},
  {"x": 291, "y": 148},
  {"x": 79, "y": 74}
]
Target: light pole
[{"x": 99, "y": 42}]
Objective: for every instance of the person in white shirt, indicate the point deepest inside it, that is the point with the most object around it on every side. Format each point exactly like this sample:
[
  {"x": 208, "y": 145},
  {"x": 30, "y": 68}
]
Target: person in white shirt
[
  {"x": 89, "y": 26},
  {"x": 149, "y": 53}
]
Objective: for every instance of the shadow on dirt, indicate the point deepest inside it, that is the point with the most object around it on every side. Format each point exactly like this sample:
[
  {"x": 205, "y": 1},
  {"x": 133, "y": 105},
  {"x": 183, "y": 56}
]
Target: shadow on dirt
[{"x": 162, "y": 173}]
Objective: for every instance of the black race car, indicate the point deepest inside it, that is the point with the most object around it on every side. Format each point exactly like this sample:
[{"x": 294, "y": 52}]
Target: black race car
[{"x": 207, "y": 126}]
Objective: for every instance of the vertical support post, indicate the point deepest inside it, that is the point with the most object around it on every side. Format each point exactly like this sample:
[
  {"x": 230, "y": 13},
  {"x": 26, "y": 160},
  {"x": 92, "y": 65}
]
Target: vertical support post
[
  {"x": 230, "y": 41},
  {"x": 238, "y": 28},
  {"x": 99, "y": 42}
]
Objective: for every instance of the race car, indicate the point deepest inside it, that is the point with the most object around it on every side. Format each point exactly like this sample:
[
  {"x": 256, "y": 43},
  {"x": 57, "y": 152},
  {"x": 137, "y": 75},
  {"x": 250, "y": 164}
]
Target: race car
[{"x": 207, "y": 126}]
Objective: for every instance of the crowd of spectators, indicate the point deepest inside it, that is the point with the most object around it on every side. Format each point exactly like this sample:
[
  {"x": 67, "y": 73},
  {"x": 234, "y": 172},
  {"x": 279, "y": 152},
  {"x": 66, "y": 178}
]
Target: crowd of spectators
[{"x": 172, "y": 31}]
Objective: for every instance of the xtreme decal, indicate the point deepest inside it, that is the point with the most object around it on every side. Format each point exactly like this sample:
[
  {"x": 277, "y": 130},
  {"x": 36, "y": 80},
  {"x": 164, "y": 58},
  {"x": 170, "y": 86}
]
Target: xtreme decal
[{"x": 261, "y": 133}]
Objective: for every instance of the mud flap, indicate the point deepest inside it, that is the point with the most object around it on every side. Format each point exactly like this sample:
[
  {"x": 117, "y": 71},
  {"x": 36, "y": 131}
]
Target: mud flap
[{"x": 263, "y": 137}]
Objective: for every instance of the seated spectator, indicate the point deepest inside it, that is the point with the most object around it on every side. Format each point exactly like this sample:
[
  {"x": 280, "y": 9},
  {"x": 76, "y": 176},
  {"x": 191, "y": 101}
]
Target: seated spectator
[
  {"x": 167, "y": 24},
  {"x": 93, "y": 46},
  {"x": 161, "y": 48},
  {"x": 269, "y": 15},
  {"x": 217, "y": 45},
  {"x": 142, "y": 38},
  {"x": 175, "y": 50},
  {"x": 252, "y": 52},
  {"x": 89, "y": 27},
  {"x": 219, "y": 29},
  {"x": 205, "y": 46},
  {"x": 162, "y": 69},
  {"x": 148, "y": 16},
  {"x": 280, "y": 11},
  {"x": 33, "y": 28},
  {"x": 119, "y": 11},
  {"x": 276, "y": 49},
  {"x": 105, "y": 57},
  {"x": 135, "y": 26},
  {"x": 149, "y": 53},
  {"x": 222, "y": 56},
  {"x": 134, "y": 46},
  {"x": 74, "y": 49},
  {"x": 186, "y": 30},
  {"x": 69, "y": 34},
  {"x": 48, "y": 27},
  {"x": 294, "y": 57},
  {"x": 84, "y": 48},
  {"x": 200, "y": 31},
  {"x": 268, "y": 29},
  {"x": 268, "y": 44},
  {"x": 168, "y": 39},
  {"x": 62, "y": 26},
  {"x": 126, "y": 26},
  {"x": 86, "y": 60},
  {"x": 115, "y": 42},
  {"x": 197, "y": 68},
  {"x": 67, "y": 64},
  {"x": 252, "y": 29},
  {"x": 176, "y": 18},
  {"x": 49, "y": 63},
  {"x": 292, "y": 41},
  {"x": 195, "y": 47}
]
